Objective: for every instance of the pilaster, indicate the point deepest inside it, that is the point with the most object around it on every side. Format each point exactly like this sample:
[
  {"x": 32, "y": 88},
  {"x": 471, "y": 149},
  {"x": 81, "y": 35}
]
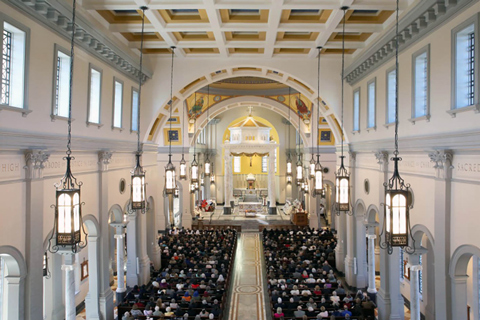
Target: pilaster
[
  {"x": 442, "y": 251},
  {"x": 105, "y": 306},
  {"x": 34, "y": 164}
]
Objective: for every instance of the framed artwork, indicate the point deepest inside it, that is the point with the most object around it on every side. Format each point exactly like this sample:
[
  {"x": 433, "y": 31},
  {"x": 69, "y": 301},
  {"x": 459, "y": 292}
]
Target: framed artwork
[
  {"x": 84, "y": 270},
  {"x": 174, "y": 135},
  {"x": 325, "y": 137}
]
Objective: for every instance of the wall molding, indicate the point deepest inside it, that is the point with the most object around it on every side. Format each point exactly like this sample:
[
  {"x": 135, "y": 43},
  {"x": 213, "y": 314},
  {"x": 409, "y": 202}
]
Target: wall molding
[
  {"x": 424, "y": 18},
  {"x": 56, "y": 16}
]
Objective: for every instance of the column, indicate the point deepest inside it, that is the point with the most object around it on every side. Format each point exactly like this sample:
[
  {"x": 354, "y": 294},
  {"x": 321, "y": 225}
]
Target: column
[
  {"x": 68, "y": 267},
  {"x": 271, "y": 182},
  {"x": 415, "y": 268},
  {"x": 143, "y": 259},
  {"x": 55, "y": 291},
  {"x": 350, "y": 277},
  {"x": 92, "y": 300},
  {"x": 132, "y": 273},
  {"x": 171, "y": 216},
  {"x": 341, "y": 239},
  {"x": 442, "y": 251},
  {"x": 228, "y": 182},
  {"x": 34, "y": 249},
  {"x": 12, "y": 289},
  {"x": 121, "y": 290},
  {"x": 371, "y": 263},
  {"x": 105, "y": 300}
]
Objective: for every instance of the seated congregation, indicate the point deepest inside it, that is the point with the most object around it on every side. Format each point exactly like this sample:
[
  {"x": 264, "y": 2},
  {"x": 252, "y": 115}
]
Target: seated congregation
[
  {"x": 192, "y": 284},
  {"x": 302, "y": 280}
]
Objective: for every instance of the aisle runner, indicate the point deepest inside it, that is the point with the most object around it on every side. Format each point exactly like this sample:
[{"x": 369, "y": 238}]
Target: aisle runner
[{"x": 247, "y": 300}]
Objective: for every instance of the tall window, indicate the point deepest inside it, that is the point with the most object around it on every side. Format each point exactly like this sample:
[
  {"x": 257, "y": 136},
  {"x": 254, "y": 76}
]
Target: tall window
[
  {"x": 371, "y": 89},
  {"x": 134, "y": 110},
  {"x": 117, "y": 103},
  {"x": 464, "y": 64},
  {"x": 62, "y": 83},
  {"x": 264, "y": 163},
  {"x": 391, "y": 95},
  {"x": 13, "y": 66},
  {"x": 356, "y": 110},
  {"x": 237, "y": 161},
  {"x": 94, "y": 95},
  {"x": 420, "y": 84}
]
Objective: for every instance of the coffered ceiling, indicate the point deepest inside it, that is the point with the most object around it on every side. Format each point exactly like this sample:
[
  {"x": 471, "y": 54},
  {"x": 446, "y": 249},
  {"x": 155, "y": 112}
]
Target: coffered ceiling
[{"x": 253, "y": 28}]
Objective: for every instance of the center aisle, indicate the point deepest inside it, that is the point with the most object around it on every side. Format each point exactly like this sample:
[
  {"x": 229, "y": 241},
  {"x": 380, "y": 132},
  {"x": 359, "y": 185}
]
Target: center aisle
[{"x": 247, "y": 299}]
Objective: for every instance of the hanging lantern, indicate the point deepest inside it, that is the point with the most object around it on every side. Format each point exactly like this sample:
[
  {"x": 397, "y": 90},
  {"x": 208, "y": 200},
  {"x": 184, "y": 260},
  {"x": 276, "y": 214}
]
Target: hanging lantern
[
  {"x": 212, "y": 179},
  {"x": 289, "y": 179},
  {"x": 396, "y": 222},
  {"x": 289, "y": 165},
  {"x": 302, "y": 186},
  {"x": 202, "y": 181},
  {"x": 183, "y": 169},
  {"x": 306, "y": 188},
  {"x": 342, "y": 188},
  {"x": 192, "y": 188},
  {"x": 207, "y": 166},
  {"x": 170, "y": 182},
  {"x": 68, "y": 213},
  {"x": 196, "y": 186},
  {"x": 342, "y": 181},
  {"x": 311, "y": 169},
  {"x": 194, "y": 170},
  {"x": 299, "y": 171},
  {"x": 68, "y": 223},
  {"x": 176, "y": 194},
  {"x": 138, "y": 188},
  {"x": 318, "y": 180}
]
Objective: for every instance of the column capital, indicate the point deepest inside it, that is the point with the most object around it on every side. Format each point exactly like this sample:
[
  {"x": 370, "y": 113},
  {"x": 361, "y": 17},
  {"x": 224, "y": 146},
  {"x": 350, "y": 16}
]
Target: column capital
[
  {"x": 416, "y": 268},
  {"x": 371, "y": 236},
  {"x": 35, "y": 163},
  {"x": 68, "y": 267},
  {"x": 382, "y": 158},
  {"x": 118, "y": 236},
  {"x": 443, "y": 163},
  {"x": 104, "y": 158}
]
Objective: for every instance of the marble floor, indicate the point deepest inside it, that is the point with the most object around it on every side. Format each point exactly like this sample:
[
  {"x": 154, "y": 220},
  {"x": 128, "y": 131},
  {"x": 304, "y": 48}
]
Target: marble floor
[{"x": 248, "y": 293}]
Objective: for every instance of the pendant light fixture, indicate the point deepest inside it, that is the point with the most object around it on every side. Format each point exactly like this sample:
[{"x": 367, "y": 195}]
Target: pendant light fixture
[
  {"x": 194, "y": 164},
  {"x": 342, "y": 177},
  {"x": 212, "y": 173},
  {"x": 396, "y": 223},
  {"x": 170, "y": 180},
  {"x": 311, "y": 166},
  {"x": 318, "y": 170},
  {"x": 289, "y": 159},
  {"x": 138, "y": 187},
  {"x": 68, "y": 224},
  {"x": 207, "y": 166},
  {"x": 183, "y": 163},
  {"x": 299, "y": 172}
]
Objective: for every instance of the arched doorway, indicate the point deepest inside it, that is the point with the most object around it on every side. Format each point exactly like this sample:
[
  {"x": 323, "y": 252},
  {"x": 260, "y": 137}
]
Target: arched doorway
[
  {"x": 460, "y": 267},
  {"x": 13, "y": 271},
  {"x": 424, "y": 239}
]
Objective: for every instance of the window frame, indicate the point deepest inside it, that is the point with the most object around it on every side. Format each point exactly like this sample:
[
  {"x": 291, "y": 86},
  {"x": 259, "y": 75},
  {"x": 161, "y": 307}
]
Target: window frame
[
  {"x": 426, "y": 117},
  {"x": 131, "y": 108},
  {"x": 24, "y": 110},
  {"x": 57, "y": 48},
  {"x": 374, "y": 81},
  {"x": 388, "y": 124},
  {"x": 476, "y": 106},
  {"x": 90, "y": 68},
  {"x": 115, "y": 80},
  {"x": 359, "y": 107}
]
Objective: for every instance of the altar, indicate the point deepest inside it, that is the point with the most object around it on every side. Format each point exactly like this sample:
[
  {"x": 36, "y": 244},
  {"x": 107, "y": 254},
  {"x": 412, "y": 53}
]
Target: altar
[{"x": 251, "y": 209}]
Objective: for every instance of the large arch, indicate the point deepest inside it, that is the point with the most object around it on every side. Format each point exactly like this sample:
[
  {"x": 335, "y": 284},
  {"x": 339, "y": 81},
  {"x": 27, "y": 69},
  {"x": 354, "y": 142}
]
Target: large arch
[
  {"x": 293, "y": 81},
  {"x": 14, "y": 286},
  {"x": 459, "y": 277},
  {"x": 359, "y": 236}
]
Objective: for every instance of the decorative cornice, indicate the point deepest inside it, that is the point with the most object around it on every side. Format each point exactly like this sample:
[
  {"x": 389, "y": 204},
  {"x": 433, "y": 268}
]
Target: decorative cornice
[
  {"x": 417, "y": 23},
  {"x": 57, "y": 16}
]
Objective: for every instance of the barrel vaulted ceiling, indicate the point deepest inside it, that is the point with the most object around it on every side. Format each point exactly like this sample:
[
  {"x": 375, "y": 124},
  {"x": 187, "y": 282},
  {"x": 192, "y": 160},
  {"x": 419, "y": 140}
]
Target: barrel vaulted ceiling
[{"x": 254, "y": 28}]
